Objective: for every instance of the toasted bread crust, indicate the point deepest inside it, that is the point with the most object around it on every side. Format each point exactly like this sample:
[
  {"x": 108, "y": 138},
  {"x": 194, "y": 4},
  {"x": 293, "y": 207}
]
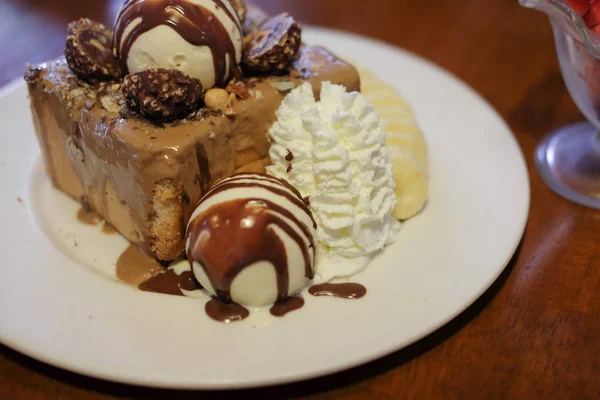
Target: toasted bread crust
[{"x": 167, "y": 220}]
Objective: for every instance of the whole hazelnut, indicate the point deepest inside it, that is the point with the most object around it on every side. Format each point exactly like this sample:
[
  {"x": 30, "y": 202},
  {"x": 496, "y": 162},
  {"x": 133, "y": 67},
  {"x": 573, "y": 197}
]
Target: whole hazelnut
[{"x": 216, "y": 98}]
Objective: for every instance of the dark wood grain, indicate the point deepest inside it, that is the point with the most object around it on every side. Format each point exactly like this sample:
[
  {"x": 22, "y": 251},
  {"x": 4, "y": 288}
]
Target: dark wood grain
[{"x": 535, "y": 333}]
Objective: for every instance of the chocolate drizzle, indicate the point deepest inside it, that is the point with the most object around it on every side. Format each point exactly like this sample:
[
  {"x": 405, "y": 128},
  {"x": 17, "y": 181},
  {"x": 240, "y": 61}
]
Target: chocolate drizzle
[
  {"x": 248, "y": 223},
  {"x": 187, "y": 282},
  {"x": 289, "y": 156},
  {"x": 287, "y": 305},
  {"x": 194, "y": 23},
  {"x": 342, "y": 290},
  {"x": 221, "y": 6}
]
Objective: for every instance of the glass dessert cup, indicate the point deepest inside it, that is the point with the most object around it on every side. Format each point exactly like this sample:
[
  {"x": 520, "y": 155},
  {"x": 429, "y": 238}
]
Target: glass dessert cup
[{"x": 568, "y": 159}]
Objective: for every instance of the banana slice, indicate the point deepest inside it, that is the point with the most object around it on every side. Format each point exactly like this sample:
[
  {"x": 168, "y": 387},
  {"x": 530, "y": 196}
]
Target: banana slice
[
  {"x": 399, "y": 115},
  {"x": 412, "y": 144},
  {"x": 406, "y": 144},
  {"x": 411, "y": 183},
  {"x": 385, "y": 100}
]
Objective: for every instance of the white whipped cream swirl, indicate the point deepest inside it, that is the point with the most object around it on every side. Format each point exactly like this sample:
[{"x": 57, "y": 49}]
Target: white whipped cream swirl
[{"x": 334, "y": 152}]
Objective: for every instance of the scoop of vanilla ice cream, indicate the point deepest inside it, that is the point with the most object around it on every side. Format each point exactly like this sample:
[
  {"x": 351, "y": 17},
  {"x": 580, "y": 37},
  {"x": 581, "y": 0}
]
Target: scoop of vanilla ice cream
[
  {"x": 256, "y": 283},
  {"x": 334, "y": 151},
  {"x": 162, "y": 46}
]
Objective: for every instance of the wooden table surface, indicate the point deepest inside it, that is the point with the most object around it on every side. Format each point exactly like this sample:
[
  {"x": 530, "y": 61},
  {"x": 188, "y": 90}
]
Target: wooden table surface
[{"x": 535, "y": 334}]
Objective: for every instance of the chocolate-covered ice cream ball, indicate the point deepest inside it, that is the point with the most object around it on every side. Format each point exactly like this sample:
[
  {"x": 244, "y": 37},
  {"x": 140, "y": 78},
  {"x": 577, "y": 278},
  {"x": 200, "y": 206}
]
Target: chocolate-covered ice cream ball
[
  {"x": 251, "y": 240},
  {"x": 200, "y": 38}
]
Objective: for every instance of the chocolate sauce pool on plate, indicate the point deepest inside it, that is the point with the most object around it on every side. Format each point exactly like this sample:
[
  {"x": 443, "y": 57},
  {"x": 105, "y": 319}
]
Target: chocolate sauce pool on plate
[
  {"x": 170, "y": 283},
  {"x": 342, "y": 290},
  {"x": 225, "y": 312},
  {"x": 165, "y": 283}
]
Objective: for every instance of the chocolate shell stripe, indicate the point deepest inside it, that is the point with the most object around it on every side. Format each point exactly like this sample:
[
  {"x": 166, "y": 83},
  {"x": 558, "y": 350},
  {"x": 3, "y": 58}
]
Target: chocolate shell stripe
[
  {"x": 254, "y": 176},
  {"x": 231, "y": 13},
  {"x": 262, "y": 180},
  {"x": 281, "y": 221},
  {"x": 286, "y": 222},
  {"x": 303, "y": 229},
  {"x": 299, "y": 228},
  {"x": 272, "y": 179},
  {"x": 278, "y": 185},
  {"x": 260, "y": 193},
  {"x": 300, "y": 233},
  {"x": 265, "y": 186},
  {"x": 196, "y": 22},
  {"x": 247, "y": 187},
  {"x": 285, "y": 213},
  {"x": 290, "y": 221},
  {"x": 265, "y": 181},
  {"x": 289, "y": 230},
  {"x": 245, "y": 178},
  {"x": 274, "y": 186}
]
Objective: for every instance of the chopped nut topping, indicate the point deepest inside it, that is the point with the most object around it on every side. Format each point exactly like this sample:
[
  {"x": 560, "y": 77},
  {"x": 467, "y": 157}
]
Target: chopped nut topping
[{"x": 239, "y": 89}]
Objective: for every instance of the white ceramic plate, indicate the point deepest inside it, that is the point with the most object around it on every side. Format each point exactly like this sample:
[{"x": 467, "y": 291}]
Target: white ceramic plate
[{"x": 60, "y": 303}]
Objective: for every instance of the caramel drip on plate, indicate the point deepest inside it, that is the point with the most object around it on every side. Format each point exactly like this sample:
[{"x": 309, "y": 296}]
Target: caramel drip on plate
[
  {"x": 342, "y": 290},
  {"x": 108, "y": 229},
  {"x": 135, "y": 268},
  {"x": 194, "y": 23},
  {"x": 89, "y": 217}
]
